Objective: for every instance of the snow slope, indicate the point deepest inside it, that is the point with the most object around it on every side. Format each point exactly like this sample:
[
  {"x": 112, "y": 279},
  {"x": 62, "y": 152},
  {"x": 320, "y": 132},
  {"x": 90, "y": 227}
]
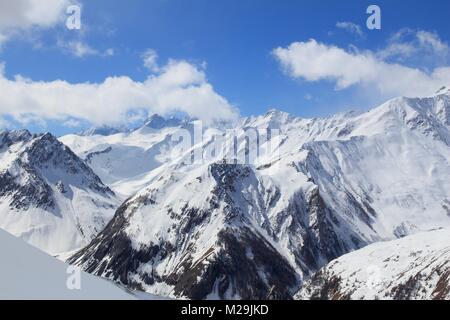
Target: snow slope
[
  {"x": 103, "y": 131},
  {"x": 125, "y": 161},
  {"x": 415, "y": 267},
  {"x": 48, "y": 196},
  {"x": 27, "y": 273}
]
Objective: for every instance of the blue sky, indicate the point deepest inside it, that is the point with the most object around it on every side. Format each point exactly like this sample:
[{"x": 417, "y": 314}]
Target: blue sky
[{"x": 232, "y": 44}]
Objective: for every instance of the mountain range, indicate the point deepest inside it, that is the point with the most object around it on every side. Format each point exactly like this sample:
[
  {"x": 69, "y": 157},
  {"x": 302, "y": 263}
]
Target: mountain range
[{"x": 271, "y": 207}]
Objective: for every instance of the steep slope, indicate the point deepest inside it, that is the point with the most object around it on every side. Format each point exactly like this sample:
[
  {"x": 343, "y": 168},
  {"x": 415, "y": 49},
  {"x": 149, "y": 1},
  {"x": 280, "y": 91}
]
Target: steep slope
[
  {"x": 415, "y": 267},
  {"x": 27, "y": 273},
  {"x": 394, "y": 163},
  {"x": 48, "y": 196},
  {"x": 316, "y": 190},
  {"x": 189, "y": 238}
]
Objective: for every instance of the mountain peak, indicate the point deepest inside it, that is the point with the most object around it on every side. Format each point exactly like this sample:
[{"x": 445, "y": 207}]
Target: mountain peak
[
  {"x": 273, "y": 112},
  {"x": 8, "y": 138},
  {"x": 41, "y": 174},
  {"x": 273, "y": 118},
  {"x": 104, "y": 130},
  {"x": 46, "y": 141},
  {"x": 443, "y": 90},
  {"x": 158, "y": 122}
]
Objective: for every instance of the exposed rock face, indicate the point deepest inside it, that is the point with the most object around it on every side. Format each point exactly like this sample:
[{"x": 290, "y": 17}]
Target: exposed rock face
[
  {"x": 25, "y": 179},
  {"x": 91, "y": 155},
  {"x": 8, "y": 138},
  {"x": 46, "y": 191},
  {"x": 239, "y": 262},
  {"x": 35, "y": 192}
]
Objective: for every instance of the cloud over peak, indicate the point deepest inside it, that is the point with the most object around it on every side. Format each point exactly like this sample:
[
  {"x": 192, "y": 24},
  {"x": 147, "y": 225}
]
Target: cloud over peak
[{"x": 179, "y": 87}]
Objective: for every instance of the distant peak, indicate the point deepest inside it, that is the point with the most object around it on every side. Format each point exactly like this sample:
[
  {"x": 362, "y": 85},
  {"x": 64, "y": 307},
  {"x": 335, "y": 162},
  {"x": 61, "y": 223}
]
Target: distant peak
[
  {"x": 47, "y": 135},
  {"x": 45, "y": 138},
  {"x": 275, "y": 115},
  {"x": 15, "y": 136},
  {"x": 104, "y": 130},
  {"x": 274, "y": 112},
  {"x": 443, "y": 90},
  {"x": 158, "y": 122},
  {"x": 154, "y": 118}
]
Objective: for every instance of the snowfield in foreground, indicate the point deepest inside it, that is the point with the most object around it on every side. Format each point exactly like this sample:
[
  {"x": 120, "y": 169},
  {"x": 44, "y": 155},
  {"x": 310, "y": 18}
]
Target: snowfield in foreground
[
  {"x": 416, "y": 267},
  {"x": 27, "y": 273}
]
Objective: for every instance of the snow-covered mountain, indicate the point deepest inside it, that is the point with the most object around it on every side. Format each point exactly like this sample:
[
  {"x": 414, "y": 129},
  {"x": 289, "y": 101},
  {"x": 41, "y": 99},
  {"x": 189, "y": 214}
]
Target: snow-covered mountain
[
  {"x": 27, "y": 273},
  {"x": 103, "y": 131},
  {"x": 415, "y": 267},
  {"x": 126, "y": 161},
  {"x": 158, "y": 122},
  {"x": 48, "y": 196},
  {"x": 317, "y": 189}
]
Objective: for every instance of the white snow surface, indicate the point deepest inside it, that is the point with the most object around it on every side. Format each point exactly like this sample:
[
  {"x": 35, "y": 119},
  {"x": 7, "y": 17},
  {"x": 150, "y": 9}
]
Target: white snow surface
[
  {"x": 417, "y": 265},
  {"x": 79, "y": 208},
  {"x": 27, "y": 274}
]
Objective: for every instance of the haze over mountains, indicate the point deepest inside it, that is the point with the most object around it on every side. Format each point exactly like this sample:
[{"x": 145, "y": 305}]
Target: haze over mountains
[{"x": 140, "y": 212}]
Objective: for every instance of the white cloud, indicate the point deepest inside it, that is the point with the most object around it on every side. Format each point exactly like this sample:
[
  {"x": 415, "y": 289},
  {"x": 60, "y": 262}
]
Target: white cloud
[
  {"x": 314, "y": 61},
  {"x": 72, "y": 123},
  {"x": 19, "y": 15},
  {"x": 179, "y": 87},
  {"x": 80, "y": 49},
  {"x": 29, "y": 13},
  {"x": 351, "y": 27},
  {"x": 4, "y": 124},
  {"x": 3, "y": 38},
  {"x": 408, "y": 43},
  {"x": 433, "y": 41},
  {"x": 110, "y": 52},
  {"x": 400, "y": 50},
  {"x": 150, "y": 59},
  {"x": 25, "y": 18}
]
